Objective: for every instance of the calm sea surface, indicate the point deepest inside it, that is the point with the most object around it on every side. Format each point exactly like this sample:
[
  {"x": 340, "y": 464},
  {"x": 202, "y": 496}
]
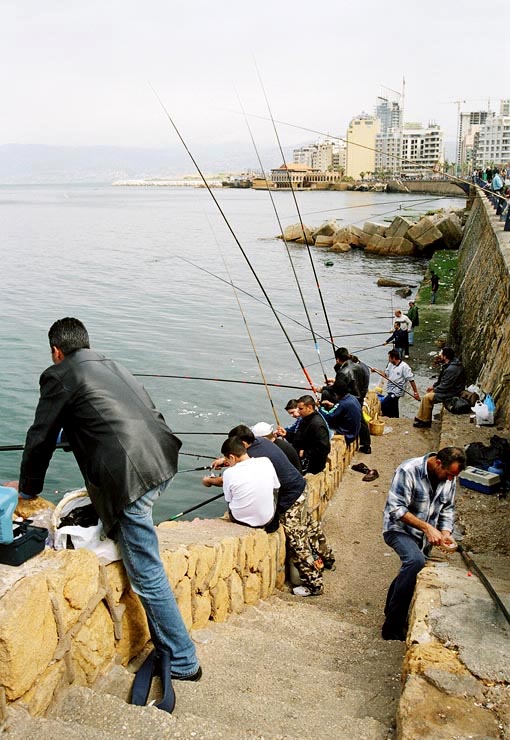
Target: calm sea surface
[{"x": 112, "y": 257}]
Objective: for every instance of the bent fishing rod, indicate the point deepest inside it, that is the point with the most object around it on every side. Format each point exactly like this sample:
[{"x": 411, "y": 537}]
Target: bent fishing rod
[
  {"x": 282, "y": 231},
  {"x": 298, "y": 210},
  {"x": 197, "y": 506},
  {"x": 243, "y": 252},
  {"x": 218, "y": 380}
]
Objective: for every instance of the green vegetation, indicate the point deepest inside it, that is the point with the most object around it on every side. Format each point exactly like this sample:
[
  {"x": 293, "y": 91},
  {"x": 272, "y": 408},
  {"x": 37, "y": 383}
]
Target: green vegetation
[{"x": 444, "y": 264}]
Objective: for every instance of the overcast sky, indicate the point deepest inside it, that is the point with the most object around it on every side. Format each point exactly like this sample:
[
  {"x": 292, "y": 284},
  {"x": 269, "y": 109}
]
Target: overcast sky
[{"x": 78, "y": 72}]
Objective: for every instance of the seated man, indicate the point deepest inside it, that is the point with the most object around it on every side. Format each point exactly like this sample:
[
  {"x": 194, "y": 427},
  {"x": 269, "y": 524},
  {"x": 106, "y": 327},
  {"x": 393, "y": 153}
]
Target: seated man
[
  {"x": 311, "y": 438},
  {"x": 250, "y": 485},
  {"x": 450, "y": 383},
  {"x": 344, "y": 416}
]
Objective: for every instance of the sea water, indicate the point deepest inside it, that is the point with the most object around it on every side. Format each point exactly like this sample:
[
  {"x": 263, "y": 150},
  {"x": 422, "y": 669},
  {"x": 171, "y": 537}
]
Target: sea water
[{"x": 111, "y": 256}]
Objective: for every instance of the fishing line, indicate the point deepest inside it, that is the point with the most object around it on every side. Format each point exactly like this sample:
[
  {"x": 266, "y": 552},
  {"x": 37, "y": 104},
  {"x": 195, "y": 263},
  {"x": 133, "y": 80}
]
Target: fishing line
[
  {"x": 298, "y": 211},
  {"x": 218, "y": 380},
  {"x": 317, "y": 349},
  {"x": 368, "y": 205},
  {"x": 303, "y": 368},
  {"x": 250, "y": 336},
  {"x": 197, "y": 506}
]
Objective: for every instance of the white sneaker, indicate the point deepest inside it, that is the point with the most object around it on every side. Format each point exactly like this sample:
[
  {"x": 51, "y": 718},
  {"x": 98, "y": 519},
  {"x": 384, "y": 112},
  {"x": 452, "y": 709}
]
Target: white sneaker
[{"x": 301, "y": 591}]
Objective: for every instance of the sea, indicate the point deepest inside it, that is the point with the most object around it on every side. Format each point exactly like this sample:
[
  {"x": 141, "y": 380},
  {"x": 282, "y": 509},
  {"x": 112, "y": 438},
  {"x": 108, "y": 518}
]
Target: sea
[{"x": 150, "y": 271}]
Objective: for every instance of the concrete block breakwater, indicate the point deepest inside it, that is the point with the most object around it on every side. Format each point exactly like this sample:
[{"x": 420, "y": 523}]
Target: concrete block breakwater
[{"x": 66, "y": 619}]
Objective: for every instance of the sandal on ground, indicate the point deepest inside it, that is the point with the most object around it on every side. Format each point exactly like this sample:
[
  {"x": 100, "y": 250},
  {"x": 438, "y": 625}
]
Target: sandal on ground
[
  {"x": 371, "y": 475},
  {"x": 361, "y": 468}
]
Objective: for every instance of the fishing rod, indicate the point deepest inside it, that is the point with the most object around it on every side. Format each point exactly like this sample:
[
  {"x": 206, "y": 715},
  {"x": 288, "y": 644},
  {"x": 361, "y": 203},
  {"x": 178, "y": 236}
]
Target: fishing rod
[
  {"x": 282, "y": 231},
  {"x": 397, "y": 385},
  {"x": 250, "y": 336},
  {"x": 192, "y": 470},
  {"x": 298, "y": 211},
  {"x": 343, "y": 336},
  {"x": 255, "y": 298},
  {"x": 192, "y": 508},
  {"x": 300, "y": 362},
  {"x": 218, "y": 380},
  {"x": 483, "y": 578}
]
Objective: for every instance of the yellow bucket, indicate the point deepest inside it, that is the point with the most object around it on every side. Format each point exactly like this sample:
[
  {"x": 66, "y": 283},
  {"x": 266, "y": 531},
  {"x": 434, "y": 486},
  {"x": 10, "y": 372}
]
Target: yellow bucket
[{"x": 376, "y": 427}]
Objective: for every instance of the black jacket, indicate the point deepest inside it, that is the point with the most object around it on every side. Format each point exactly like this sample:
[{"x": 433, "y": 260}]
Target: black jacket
[
  {"x": 312, "y": 436},
  {"x": 451, "y": 381},
  {"x": 120, "y": 441}
]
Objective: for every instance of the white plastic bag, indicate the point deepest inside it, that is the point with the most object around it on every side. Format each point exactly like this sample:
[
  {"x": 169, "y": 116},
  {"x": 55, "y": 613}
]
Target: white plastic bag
[
  {"x": 483, "y": 414},
  {"x": 92, "y": 538}
]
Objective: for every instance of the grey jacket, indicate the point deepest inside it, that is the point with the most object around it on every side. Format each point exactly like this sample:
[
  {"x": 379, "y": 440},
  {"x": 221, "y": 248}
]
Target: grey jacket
[
  {"x": 451, "y": 381},
  {"x": 120, "y": 441}
]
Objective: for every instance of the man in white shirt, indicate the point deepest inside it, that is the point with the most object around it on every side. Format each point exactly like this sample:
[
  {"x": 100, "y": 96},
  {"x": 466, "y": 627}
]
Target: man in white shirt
[
  {"x": 250, "y": 485},
  {"x": 406, "y": 325},
  {"x": 397, "y": 373}
]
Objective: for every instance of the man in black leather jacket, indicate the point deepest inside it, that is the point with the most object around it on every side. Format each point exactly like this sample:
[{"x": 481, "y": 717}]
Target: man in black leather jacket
[
  {"x": 311, "y": 439},
  {"x": 127, "y": 456}
]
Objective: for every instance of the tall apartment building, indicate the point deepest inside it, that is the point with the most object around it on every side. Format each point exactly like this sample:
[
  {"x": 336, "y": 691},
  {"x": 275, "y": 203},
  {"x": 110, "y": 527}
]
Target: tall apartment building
[
  {"x": 361, "y": 145},
  {"x": 325, "y": 155},
  {"x": 422, "y": 149},
  {"x": 493, "y": 142},
  {"x": 389, "y": 139},
  {"x": 470, "y": 124}
]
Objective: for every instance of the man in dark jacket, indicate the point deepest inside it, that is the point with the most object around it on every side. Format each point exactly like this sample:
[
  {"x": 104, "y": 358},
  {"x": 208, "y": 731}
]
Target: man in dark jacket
[
  {"x": 344, "y": 416},
  {"x": 450, "y": 383},
  {"x": 128, "y": 457},
  {"x": 311, "y": 438}
]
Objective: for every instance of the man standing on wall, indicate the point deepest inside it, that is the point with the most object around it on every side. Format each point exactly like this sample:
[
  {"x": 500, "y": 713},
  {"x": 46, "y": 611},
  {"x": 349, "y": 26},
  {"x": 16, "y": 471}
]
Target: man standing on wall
[
  {"x": 128, "y": 457},
  {"x": 419, "y": 513},
  {"x": 434, "y": 286}
]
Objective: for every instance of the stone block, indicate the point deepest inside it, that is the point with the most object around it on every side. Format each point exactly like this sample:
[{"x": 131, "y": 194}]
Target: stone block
[
  {"x": 117, "y": 579},
  {"x": 295, "y": 232},
  {"x": 73, "y": 582},
  {"x": 201, "y": 610},
  {"x": 256, "y": 547},
  {"x": 28, "y": 508},
  {"x": 374, "y": 229},
  {"x": 450, "y": 228},
  {"x": 220, "y": 601},
  {"x": 135, "y": 630},
  {"x": 345, "y": 234},
  {"x": 235, "y": 593},
  {"x": 241, "y": 565},
  {"x": 183, "y": 597},
  {"x": 364, "y": 238},
  {"x": 251, "y": 588},
  {"x": 425, "y": 713},
  {"x": 399, "y": 226},
  {"x": 341, "y": 247},
  {"x": 228, "y": 556},
  {"x": 327, "y": 228},
  {"x": 214, "y": 573},
  {"x": 374, "y": 241},
  {"x": 391, "y": 245},
  {"x": 424, "y": 234},
  {"x": 28, "y": 635},
  {"x": 175, "y": 564},
  {"x": 93, "y": 647},
  {"x": 265, "y": 577},
  {"x": 420, "y": 658},
  {"x": 40, "y": 696},
  {"x": 324, "y": 241},
  {"x": 205, "y": 560}
]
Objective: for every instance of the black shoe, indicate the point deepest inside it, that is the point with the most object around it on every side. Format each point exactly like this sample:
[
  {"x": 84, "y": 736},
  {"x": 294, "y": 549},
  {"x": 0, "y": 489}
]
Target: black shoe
[
  {"x": 143, "y": 680},
  {"x": 361, "y": 468},
  {"x": 422, "y": 424},
  {"x": 167, "y": 703},
  {"x": 388, "y": 632},
  {"x": 366, "y": 449},
  {"x": 329, "y": 563},
  {"x": 194, "y": 676}
]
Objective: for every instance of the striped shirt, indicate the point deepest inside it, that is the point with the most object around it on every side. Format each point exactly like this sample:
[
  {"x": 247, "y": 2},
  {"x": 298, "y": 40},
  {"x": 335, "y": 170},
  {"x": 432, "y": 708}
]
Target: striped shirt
[{"x": 411, "y": 491}]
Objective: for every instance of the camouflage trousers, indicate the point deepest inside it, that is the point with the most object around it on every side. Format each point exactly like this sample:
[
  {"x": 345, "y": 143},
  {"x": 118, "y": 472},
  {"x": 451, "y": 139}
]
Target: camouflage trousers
[{"x": 305, "y": 540}]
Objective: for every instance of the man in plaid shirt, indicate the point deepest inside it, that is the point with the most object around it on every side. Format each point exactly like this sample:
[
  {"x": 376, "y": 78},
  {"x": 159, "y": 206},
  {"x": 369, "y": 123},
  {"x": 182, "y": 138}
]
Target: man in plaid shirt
[{"x": 419, "y": 513}]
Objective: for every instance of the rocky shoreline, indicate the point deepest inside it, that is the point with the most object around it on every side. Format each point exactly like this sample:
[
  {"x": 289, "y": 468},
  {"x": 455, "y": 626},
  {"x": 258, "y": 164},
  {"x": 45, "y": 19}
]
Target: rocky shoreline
[{"x": 403, "y": 236}]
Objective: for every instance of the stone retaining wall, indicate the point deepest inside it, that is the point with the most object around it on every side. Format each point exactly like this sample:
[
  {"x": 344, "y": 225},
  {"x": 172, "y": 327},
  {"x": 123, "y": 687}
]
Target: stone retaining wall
[
  {"x": 64, "y": 618},
  {"x": 480, "y": 324}
]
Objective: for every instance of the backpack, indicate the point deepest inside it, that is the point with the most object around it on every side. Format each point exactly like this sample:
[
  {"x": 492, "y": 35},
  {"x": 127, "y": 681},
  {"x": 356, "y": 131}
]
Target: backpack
[{"x": 457, "y": 405}]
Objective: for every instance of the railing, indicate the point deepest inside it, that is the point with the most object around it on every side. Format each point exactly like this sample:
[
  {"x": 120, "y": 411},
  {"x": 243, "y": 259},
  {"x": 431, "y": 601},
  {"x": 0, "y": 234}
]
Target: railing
[{"x": 499, "y": 202}]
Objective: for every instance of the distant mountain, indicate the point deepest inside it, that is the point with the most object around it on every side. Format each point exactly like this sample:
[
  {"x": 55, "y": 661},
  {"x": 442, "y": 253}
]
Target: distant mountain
[{"x": 32, "y": 164}]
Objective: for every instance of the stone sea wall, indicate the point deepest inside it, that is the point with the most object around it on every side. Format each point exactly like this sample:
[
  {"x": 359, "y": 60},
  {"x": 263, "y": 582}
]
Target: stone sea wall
[
  {"x": 480, "y": 322},
  {"x": 65, "y": 618}
]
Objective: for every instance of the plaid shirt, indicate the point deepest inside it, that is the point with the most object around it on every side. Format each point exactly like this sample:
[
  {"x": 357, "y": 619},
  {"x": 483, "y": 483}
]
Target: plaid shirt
[{"x": 412, "y": 492}]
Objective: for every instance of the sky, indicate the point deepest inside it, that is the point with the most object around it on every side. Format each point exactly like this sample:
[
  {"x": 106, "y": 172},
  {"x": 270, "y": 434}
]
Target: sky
[{"x": 79, "y": 73}]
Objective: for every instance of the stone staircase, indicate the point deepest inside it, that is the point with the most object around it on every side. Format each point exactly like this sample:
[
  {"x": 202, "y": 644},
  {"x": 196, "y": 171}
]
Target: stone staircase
[{"x": 283, "y": 669}]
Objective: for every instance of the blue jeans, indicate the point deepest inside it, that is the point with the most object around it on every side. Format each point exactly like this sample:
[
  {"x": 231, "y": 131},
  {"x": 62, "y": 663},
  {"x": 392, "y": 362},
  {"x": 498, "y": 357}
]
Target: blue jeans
[
  {"x": 400, "y": 592},
  {"x": 139, "y": 546}
]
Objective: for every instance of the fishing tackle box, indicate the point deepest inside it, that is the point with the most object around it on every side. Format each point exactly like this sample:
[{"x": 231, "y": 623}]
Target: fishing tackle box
[
  {"x": 480, "y": 480},
  {"x": 28, "y": 541}
]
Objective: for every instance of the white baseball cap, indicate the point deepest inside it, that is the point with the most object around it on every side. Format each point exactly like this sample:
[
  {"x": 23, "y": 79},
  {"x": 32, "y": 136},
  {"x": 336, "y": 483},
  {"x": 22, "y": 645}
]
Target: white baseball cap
[{"x": 262, "y": 429}]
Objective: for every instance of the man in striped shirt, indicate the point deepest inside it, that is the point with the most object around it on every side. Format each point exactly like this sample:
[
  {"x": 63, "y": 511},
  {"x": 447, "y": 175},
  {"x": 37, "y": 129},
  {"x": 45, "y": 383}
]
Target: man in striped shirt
[{"x": 419, "y": 513}]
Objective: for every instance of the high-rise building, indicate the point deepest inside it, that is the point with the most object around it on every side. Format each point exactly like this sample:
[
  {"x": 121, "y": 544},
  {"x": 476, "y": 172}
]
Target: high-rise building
[
  {"x": 389, "y": 139},
  {"x": 469, "y": 125},
  {"x": 325, "y": 155},
  {"x": 493, "y": 142},
  {"x": 361, "y": 145},
  {"x": 504, "y": 107},
  {"x": 422, "y": 149}
]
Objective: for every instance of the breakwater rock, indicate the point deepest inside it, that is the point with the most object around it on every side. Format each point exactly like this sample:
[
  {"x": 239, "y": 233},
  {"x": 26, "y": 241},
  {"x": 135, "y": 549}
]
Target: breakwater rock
[{"x": 403, "y": 236}]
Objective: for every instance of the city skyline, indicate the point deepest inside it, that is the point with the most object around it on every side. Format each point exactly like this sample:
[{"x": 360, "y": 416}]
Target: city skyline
[{"x": 79, "y": 75}]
